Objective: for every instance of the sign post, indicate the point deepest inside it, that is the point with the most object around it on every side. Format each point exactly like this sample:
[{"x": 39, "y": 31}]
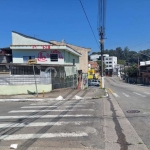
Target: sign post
[{"x": 32, "y": 62}]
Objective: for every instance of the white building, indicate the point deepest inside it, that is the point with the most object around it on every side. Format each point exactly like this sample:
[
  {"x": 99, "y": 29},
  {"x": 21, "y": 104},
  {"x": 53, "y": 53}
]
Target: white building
[
  {"x": 95, "y": 57},
  {"x": 110, "y": 63}
]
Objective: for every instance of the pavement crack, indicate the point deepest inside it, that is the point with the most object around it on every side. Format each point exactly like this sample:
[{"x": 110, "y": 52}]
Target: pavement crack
[{"x": 121, "y": 137}]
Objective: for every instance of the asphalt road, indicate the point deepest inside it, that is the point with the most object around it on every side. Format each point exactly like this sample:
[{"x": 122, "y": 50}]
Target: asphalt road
[
  {"x": 66, "y": 124},
  {"x": 134, "y": 102}
]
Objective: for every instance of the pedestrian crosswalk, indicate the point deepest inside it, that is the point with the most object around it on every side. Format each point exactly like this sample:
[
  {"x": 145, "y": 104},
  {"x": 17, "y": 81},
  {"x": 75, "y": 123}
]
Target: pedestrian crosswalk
[{"x": 49, "y": 120}]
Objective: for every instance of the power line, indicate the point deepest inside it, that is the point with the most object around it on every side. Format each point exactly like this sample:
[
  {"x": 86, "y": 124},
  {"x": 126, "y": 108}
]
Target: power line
[{"x": 89, "y": 22}]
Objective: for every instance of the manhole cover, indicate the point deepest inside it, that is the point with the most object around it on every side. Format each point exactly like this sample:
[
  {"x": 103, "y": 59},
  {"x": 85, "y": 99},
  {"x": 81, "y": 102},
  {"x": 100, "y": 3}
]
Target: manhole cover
[{"x": 133, "y": 111}]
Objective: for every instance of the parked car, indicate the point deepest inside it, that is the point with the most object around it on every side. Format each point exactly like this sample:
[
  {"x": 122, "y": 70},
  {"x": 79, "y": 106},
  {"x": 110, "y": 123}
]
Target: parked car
[{"x": 94, "y": 83}]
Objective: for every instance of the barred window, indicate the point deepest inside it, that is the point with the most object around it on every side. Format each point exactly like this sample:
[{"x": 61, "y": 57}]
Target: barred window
[{"x": 24, "y": 70}]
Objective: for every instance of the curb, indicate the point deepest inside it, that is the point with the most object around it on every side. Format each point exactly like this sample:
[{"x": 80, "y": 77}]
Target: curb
[{"x": 106, "y": 93}]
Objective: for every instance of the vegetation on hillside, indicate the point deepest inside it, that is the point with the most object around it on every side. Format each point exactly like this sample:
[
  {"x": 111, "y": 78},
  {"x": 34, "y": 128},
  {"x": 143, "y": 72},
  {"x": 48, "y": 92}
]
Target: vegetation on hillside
[{"x": 126, "y": 55}]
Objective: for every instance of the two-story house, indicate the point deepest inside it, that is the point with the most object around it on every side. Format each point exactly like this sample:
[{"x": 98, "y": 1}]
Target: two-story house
[{"x": 55, "y": 66}]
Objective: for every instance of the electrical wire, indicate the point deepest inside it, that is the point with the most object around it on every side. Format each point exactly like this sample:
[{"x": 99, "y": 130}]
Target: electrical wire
[{"x": 88, "y": 22}]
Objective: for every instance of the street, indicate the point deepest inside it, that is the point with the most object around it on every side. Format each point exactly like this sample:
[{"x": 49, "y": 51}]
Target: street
[
  {"x": 119, "y": 121},
  {"x": 134, "y": 101},
  {"x": 52, "y": 124}
]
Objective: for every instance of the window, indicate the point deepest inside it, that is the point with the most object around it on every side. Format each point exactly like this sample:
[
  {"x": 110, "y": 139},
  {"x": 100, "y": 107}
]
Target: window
[
  {"x": 26, "y": 58},
  {"x": 110, "y": 62},
  {"x": 110, "y": 58},
  {"x": 110, "y": 65},
  {"x": 54, "y": 57},
  {"x": 24, "y": 70}
]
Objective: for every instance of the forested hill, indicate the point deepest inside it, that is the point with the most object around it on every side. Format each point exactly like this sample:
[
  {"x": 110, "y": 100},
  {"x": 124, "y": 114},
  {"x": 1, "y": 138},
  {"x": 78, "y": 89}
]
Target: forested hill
[{"x": 125, "y": 54}]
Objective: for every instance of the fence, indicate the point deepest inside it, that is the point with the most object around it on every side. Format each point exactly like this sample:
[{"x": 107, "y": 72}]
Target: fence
[{"x": 58, "y": 76}]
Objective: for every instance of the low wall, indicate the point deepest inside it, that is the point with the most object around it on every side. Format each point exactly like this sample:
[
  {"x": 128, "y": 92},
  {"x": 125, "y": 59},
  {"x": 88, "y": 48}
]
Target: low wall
[{"x": 23, "y": 89}]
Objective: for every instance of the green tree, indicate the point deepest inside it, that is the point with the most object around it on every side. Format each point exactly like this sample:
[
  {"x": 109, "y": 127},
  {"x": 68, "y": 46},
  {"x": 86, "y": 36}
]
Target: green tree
[
  {"x": 132, "y": 71},
  {"x": 126, "y": 53},
  {"x": 119, "y": 53}
]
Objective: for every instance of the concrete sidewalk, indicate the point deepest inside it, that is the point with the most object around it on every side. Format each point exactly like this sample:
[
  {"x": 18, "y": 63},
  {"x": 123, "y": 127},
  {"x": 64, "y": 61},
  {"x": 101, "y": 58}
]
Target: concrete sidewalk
[{"x": 68, "y": 93}]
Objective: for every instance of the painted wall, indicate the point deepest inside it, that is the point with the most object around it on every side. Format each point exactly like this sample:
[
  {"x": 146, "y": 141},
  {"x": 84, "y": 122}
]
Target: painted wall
[
  {"x": 19, "y": 39},
  {"x": 42, "y": 56},
  {"x": 68, "y": 58},
  {"x": 84, "y": 80},
  {"x": 23, "y": 89}
]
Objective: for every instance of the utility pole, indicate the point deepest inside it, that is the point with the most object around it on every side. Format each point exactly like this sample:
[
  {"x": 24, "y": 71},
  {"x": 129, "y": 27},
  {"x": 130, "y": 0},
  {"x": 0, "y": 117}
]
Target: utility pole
[
  {"x": 102, "y": 16},
  {"x": 102, "y": 50}
]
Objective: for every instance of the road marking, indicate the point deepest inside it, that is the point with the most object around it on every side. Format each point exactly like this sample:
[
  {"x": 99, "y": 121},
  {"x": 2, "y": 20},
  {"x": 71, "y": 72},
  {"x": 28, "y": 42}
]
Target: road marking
[
  {"x": 115, "y": 95},
  {"x": 17, "y": 100},
  {"x": 51, "y": 106},
  {"x": 19, "y": 125},
  {"x": 125, "y": 95},
  {"x": 43, "y": 116},
  {"x": 146, "y": 93},
  {"x": 139, "y": 94},
  {"x": 45, "y": 135},
  {"x": 113, "y": 92},
  {"x": 110, "y": 91},
  {"x": 70, "y": 103},
  {"x": 39, "y": 106},
  {"x": 23, "y": 111}
]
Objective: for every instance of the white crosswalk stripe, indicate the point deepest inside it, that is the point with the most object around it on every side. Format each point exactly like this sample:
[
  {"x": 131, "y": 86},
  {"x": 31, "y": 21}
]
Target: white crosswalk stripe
[
  {"x": 24, "y": 111},
  {"x": 50, "y": 106},
  {"x": 43, "y": 116},
  {"x": 70, "y": 103},
  {"x": 40, "y": 124},
  {"x": 44, "y": 135},
  {"x": 139, "y": 94}
]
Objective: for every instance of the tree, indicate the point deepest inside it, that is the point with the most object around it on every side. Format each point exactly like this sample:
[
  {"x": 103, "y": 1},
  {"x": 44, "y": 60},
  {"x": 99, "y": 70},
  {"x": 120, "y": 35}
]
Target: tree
[
  {"x": 100, "y": 64},
  {"x": 132, "y": 71},
  {"x": 126, "y": 53},
  {"x": 119, "y": 53}
]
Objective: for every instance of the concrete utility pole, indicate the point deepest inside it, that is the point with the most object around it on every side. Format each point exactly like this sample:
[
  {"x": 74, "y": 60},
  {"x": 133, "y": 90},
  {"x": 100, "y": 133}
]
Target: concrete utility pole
[
  {"x": 102, "y": 16},
  {"x": 102, "y": 50}
]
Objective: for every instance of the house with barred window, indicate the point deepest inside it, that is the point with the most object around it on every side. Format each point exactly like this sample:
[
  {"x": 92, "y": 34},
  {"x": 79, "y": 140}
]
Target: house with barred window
[{"x": 54, "y": 66}]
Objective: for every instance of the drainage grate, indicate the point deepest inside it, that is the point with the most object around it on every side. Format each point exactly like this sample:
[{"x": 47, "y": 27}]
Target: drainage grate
[{"x": 133, "y": 111}]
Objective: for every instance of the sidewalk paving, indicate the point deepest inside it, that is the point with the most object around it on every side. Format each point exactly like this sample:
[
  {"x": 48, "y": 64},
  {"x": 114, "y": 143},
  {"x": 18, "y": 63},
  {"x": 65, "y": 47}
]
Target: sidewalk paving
[{"x": 94, "y": 92}]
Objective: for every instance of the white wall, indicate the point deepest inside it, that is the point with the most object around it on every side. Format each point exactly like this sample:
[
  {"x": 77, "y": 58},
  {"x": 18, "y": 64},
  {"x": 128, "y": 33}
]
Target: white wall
[
  {"x": 95, "y": 57},
  {"x": 18, "y": 39},
  {"x": 110, "y": 62}
]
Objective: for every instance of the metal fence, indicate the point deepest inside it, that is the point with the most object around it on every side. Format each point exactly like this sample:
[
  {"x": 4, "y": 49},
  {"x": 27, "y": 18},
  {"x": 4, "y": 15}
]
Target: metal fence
[
  {"x": 23, "y": 80},
  {"x": 58, "y": 76}
]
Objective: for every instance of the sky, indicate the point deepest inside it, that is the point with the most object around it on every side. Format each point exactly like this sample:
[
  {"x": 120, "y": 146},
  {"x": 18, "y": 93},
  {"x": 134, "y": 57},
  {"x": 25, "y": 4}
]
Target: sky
[{"x": 127, "y": 22}]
